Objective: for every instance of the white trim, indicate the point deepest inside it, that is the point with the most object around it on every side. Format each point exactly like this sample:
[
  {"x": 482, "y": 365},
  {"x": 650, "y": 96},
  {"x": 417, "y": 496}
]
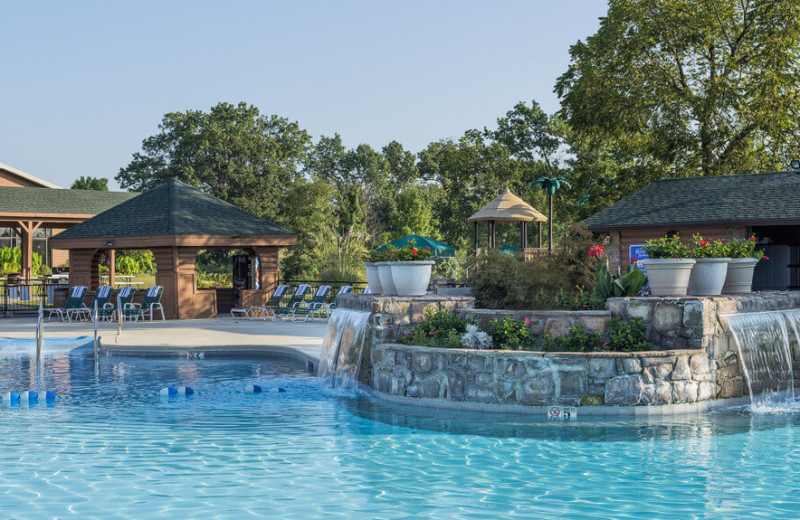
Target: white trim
[{"x": 28, "y": 177}]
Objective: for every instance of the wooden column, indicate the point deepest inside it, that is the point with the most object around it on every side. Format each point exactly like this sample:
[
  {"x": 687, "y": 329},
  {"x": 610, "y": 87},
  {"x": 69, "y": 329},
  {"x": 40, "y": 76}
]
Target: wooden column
[
  {"x": 80, "y": 266},
  {"x": 25, "y": 231},
  {"x": 475, "y": 237},
  {"x": 539, "y": 233},
  {"x": 112, "y": 266},
  {"x": 523, "y": 235}
]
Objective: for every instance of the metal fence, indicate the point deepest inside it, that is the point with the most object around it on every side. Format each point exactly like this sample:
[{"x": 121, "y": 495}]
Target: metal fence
[{"x": 23, "y": 296}]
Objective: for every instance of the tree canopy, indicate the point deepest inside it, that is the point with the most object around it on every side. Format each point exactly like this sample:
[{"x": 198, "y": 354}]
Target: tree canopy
[{"x": 90, "y": 183}]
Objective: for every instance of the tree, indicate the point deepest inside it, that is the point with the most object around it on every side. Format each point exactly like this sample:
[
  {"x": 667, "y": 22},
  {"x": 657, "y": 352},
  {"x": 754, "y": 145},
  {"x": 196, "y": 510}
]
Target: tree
[
  {"x": 550, "y": 186},
  {"x": 90, "y": 183},
  {"x": 679, "y": 88},
  {"x": 231, "y": 152}
]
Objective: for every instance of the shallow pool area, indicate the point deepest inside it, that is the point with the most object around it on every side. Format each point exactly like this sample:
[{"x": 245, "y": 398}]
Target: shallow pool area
[{"x": 111, "y": 447}]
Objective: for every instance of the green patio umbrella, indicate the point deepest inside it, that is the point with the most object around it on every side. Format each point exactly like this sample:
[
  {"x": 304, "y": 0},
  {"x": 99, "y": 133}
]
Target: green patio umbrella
[{"x": 438, "y": 249}]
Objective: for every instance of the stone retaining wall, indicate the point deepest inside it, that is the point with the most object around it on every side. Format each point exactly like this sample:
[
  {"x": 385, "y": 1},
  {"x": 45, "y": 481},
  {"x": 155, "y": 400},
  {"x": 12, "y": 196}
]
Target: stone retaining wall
[
  {"x": 536, "y": 378},
  {"x": 545, "y": 323}
]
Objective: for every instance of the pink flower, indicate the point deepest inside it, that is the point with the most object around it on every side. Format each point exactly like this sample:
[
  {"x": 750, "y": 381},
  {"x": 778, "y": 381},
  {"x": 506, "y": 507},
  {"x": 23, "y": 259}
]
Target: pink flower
[
  {"x": 527, "y": 320},
  {"x": 765, "y": 257},
  {"x": 427, "y": 248},
  {"x": 431, "y": 333}
]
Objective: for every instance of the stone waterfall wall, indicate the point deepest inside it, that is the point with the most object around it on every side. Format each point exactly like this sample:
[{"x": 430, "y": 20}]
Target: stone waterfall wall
[{"x": 695, "y": 359}]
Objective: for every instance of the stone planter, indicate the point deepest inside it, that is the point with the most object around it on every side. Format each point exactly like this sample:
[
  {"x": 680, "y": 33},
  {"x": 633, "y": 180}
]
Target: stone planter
[
  {"x": 668, "y": 276},
  {"x": 385, "y": 276},
  {"x": 411, "y": 278},
  {"x": 708, "y": 276},
  {"x": 373, "y": 278},
  {"x": 740, "y": 276}
]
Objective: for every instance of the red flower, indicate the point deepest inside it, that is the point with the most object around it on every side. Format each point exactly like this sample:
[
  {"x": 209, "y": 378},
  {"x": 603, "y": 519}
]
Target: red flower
[
  {"x": 677, "y": 256},
  {"x": 702, "y": 243},
  {"x": 595, "y": 250},
  {"x": 431, "y": 333},
  {"x": 527, "y": 320},
  {"x": 394, "y": 250},
  {"x": 711, "y": 240},
  {"x": 765, "y": 257},
  {"x": 635, "y": 260},
  {"x": 427, "y": 248},
  {"x": 752, "y": 239},
  {"x": 414, "y": 251}
]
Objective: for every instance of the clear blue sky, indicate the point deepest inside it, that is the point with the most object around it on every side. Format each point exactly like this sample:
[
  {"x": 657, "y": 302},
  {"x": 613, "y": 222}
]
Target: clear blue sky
[{"x": 84, "y": 82}]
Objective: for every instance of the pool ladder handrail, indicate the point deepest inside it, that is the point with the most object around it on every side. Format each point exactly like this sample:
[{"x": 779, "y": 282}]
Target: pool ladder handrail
[
  {"x": 96, "y": 340},
  {"x": 39, "y": 332}
]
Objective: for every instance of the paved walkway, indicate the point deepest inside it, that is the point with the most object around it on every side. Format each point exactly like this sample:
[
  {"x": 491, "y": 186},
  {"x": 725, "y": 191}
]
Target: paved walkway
[{"x": 304, "y": 339}]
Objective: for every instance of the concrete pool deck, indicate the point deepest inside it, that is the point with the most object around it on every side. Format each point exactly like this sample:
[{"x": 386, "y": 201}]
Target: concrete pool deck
[{"x": 303, "y": 339}]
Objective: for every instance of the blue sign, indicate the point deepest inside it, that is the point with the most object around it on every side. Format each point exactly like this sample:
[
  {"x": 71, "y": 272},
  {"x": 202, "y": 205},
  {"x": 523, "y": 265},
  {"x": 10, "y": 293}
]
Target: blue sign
[{"x": 636, "y": 252}]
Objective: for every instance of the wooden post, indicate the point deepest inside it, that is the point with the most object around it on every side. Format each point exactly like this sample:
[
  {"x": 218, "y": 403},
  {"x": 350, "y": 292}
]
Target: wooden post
[
  {"x": 475, "y": 237},
  {"x": 523, "y": 235},
  {"x": 112, "y": 266},
  {"x": 539, "y": 233},
  {"x": 26, "y": 234}
]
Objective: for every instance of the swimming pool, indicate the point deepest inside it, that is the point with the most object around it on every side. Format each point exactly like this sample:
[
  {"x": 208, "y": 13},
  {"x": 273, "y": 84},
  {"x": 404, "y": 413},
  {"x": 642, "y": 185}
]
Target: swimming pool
[{"x": 111, "y": 447}]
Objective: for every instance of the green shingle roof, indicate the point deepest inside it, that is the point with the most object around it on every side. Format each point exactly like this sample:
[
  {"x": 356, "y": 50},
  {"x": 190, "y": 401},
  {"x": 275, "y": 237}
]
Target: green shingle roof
[
  {"x": 49, "y": 200},
  {"x": 173, "y": 208},
  {"x": 763, "y": 197}
]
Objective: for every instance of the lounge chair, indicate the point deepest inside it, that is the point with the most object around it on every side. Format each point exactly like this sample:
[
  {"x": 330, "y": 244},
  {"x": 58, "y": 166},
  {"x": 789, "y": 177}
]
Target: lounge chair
[
  {"x": 74, "y": 301},
  {"x": 109, "y": 311},
  {"x": 259, "y": 311},
  {"x": 307, "y": 309},
  {"x": 297, "y": 298},
  {"x": 367, "y": 290},
  {"x": 150, "y": 304},
  {"x": 101, "y": 296},
  {"x": 325, "y": 309}
]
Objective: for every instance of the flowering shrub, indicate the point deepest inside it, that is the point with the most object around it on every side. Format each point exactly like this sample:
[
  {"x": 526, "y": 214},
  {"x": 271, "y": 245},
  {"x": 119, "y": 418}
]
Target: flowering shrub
[
  {"x": 667, "y": 247},
  {"x": 475, "y": 338},
  {"x": 408, "y": 253},
  {"x": 708, "y": 248},
  {"x": 512, "y": 334},
  {"x": 578, "y": 301},
  {"x": 442, "y": 329},
  {"x": 595, "y": 251},
  {"x": 738, "y": 248},
  {"x": 623, "y": 336}
]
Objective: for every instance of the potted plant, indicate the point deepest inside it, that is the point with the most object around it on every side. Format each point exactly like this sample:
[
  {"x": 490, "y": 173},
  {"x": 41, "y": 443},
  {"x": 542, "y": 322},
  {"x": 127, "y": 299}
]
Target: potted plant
[
  {"x": 385, "y": 272},
  {"x": 371, "y": 259},
  {"x": 711, "y": 267},
  {"x": 668, "y": 266},
  {"x": 744, "y": 258},
  {"x": 410, "y": 270}
]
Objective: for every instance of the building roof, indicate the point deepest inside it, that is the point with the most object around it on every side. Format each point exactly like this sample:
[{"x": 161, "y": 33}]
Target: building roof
[
  {"x": 27, "y": 176},
  {"x": 32, "y": 201},
  {"x": 172, "y": 209},
  {"x": 507, "y": 207},
  {"x": 754, "y": 199}
]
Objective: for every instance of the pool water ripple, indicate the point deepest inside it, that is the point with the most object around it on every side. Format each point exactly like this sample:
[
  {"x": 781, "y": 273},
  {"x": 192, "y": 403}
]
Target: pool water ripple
[{"x": 111, "y": 447}]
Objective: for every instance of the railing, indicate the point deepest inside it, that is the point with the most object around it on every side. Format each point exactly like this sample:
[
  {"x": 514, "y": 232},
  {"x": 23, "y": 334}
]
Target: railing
[{"x": 24, "y": 296}]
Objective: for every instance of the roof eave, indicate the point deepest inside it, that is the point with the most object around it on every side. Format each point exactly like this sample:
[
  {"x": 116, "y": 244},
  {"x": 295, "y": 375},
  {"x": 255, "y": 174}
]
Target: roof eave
[
  {"x": 201, "y": 241},
  {"x": 599, "y": 228}
]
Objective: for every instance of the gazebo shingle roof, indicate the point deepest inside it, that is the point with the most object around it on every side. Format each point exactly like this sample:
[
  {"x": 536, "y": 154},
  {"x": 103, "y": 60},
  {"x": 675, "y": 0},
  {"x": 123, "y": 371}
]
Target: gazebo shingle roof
[
  {"x": 52, "y": 201},
  {"x": 764, "y": 198},
  {"x": 172, "y": 208}
]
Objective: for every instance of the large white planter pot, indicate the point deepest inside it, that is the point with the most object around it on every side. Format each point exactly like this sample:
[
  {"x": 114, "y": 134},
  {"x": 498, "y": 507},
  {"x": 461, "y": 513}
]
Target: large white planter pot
[
  {"x": 668, "y": 276},
  {"x": 411, "y": 278},
  {"x": 708, "y": 276},
  {"x": 373, "y": 278},
  {"x": 385, "y": 276},
  {"x": 740, "y": 276}
]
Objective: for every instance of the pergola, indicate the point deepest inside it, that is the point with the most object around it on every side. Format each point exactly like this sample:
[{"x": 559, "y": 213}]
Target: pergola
[
  {"x": 27, "y": 209},
  {"x": 175, "y": 221},
  {"x": 507, "y": 208}
]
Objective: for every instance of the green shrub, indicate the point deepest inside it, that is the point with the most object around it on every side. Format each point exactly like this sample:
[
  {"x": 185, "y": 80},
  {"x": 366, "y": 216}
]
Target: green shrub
[
  {"x": 511, "y": 334},
  {"x": 622, "y": 336},
  {"x": 629, "y": 284},
  {"x": 441, "y": 329}
]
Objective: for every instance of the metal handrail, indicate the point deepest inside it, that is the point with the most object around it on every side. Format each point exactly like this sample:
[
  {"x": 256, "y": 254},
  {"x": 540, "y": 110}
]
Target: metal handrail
[
  {"x": 39, "y": 332},
  {"x": 94, "y": 319}
]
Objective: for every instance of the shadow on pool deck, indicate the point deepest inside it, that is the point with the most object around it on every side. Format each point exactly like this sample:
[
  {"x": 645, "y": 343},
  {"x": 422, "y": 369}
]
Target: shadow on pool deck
[{"x": 217, "y": 333}]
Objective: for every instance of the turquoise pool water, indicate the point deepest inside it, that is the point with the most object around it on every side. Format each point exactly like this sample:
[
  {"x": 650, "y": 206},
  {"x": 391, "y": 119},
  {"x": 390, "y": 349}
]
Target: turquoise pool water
[{"x": 110, "y": 447}]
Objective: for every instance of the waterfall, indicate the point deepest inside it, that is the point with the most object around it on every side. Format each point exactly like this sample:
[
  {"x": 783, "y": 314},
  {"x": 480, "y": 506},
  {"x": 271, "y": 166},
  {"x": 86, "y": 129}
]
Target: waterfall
[
  {"x": 342, "y": 347},
  {"x": 762, "y": 340}
]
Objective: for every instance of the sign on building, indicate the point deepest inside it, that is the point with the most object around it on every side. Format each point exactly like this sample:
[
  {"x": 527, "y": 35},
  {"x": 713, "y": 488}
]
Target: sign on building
[{"x": 636, "y": 251}]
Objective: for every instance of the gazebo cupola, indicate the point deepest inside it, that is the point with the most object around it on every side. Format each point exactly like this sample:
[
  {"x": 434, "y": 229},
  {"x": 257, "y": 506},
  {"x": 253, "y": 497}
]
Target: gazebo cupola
[{"x": 507, "y": 208}]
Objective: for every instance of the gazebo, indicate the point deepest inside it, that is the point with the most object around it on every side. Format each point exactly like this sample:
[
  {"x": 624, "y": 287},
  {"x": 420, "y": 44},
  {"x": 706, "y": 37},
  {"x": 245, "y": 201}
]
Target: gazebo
[
  {"x": 507, "y": 208},
  {"x": 175, "y": 221}
]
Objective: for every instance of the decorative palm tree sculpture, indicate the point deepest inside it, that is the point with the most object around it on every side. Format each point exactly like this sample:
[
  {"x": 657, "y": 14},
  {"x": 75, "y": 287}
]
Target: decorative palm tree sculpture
[{"x": 550, "y": 186}]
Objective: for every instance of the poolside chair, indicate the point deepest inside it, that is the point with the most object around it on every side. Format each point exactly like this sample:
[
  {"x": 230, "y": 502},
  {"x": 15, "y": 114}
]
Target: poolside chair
[
  {"x": 109, "y": 311},
  {"x": 307, "y": 309},
  {"x": 325, "y": 309},
  {"x": 258, "y": 311},
  {"x": 367, "y": 290},
  {"x": 150, "y": 304},
  {"x": 101, "y": 296},
  {"x": 74, "y": 301},
  {"x": 298, "y": 297}
]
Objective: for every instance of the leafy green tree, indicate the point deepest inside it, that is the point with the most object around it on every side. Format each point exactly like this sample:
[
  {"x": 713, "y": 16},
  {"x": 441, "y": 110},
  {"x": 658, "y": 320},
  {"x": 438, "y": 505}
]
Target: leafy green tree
[
  {"x": 680, "y": 88},
  {"x": 90, "y": 183},
  {"x": 232, "y": 152},
  {"x": 550, "y": 186}
]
